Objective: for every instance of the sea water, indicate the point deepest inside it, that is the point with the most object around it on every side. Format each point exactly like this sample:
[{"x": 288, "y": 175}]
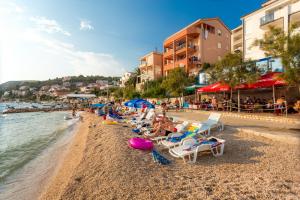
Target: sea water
[{"x": 30, "y": 148}]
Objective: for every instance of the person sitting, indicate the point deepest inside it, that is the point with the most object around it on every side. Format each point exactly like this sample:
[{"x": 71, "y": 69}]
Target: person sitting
[
  {"x": 297, "y": 106},
  {"x": 280, "y": 104},
  {"x": 162, "y": 128}
]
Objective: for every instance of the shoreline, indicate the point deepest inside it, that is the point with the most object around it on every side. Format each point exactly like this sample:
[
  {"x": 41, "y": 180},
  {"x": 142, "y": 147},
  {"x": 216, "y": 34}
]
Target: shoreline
[{"x": 68, "y": 163}]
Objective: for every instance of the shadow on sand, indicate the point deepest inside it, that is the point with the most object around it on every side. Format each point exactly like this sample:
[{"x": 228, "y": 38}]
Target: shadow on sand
[{"x": 238, "y": 150}]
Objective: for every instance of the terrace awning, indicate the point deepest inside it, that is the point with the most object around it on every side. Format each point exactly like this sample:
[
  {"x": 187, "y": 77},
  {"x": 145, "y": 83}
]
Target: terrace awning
[
  {"x": 193, "y": 87},
  {"x": 265, "y": 81},
  {"x": 216, "y": 87}
]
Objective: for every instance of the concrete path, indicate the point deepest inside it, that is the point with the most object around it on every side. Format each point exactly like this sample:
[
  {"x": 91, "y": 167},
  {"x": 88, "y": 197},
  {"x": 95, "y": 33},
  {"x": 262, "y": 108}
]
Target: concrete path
[{"x": 287, "y": 131}]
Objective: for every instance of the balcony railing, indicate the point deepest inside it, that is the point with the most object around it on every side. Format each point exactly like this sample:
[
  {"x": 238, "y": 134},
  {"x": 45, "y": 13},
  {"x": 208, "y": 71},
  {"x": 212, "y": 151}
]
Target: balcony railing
[
  {"x": 181, "y": 46},
  {"x": 267, "y": 18}
]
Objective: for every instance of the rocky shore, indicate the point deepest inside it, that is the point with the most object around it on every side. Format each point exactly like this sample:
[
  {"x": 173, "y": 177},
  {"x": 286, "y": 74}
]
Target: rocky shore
[{"x": 23, "y": 110}]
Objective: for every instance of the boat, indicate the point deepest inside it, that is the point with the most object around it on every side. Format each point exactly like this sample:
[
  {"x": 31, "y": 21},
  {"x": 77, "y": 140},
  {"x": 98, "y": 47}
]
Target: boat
[{"x": 68, "y": 117}]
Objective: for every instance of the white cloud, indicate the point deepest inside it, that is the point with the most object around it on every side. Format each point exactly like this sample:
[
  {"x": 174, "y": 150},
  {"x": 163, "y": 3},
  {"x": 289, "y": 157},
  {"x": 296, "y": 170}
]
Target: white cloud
[
  {"x": 34, "y": 55},
  {"x": 48, "y": 25},
  {"x": 10, "y": 8},
  {"x": 85, "y": 25}
]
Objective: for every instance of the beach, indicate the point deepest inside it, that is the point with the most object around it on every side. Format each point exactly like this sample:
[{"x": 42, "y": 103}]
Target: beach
[{"x": 99, "y": 164}]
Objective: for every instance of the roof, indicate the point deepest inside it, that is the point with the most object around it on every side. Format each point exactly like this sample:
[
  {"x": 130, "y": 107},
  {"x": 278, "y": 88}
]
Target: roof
[
  {"x": 152, "y": 52},
  {"x": 239, "y": 27},
  {"x": 199, "y": 21},
  {"x": 265, "y": 4}
]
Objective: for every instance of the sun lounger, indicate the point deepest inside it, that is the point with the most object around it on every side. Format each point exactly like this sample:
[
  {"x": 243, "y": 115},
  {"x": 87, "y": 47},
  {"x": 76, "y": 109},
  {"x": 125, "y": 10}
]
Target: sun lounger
[
  {"x": 213, "y": 121},
  {"x": 146, "y": 115},
  {"x": 182, "y": 127},
  {"x": 147, "y": 120},
  {"x": 191, "y": 147},
  {"x": 176, "y": 139}
]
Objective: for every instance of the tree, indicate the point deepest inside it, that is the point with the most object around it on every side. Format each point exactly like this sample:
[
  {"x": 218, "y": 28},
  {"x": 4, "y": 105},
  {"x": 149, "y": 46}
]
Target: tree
[
  {"x": 133, "y": 78},
  {"x": 232, "y": 71},
  {"x": 176, "y": 81},
  {"x": 286, "y": 46},
  {"x": 154, "y": 89}
]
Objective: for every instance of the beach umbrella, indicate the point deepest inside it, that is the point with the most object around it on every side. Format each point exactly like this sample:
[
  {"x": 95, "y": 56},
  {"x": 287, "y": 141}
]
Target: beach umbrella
[
  {"x": 131, "y": 102},
  {"x": 138, "y": 103}
]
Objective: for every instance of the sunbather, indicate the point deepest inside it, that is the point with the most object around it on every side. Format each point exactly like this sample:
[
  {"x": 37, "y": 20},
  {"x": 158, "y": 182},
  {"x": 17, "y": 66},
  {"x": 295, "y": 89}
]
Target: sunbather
[{"x": 162, "y": 127}]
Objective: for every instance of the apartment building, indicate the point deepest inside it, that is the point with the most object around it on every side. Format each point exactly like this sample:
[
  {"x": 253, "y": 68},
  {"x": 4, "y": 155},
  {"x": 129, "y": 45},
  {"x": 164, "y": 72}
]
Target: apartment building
[
  {"x": 150, "y": 67},
  {"x": 277, "y": 13},
  {"x": 203, "y": 41},
  {"x": 237, "y": 39}
]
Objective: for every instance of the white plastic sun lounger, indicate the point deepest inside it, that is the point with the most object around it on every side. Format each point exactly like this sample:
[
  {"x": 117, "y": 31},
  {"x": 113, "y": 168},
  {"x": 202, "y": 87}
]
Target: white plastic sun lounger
[
  {"x": 203, "y": 130},
  {"x": 146, "y": 115},
  {"x": 213, "y": 121},
  {"x": 180, "y": 129},
  {"x": 190, "y": 148}
]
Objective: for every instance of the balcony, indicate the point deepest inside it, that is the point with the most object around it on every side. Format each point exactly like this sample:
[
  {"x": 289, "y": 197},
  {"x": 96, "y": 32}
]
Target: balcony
[
  {"x": 180, "y": 46},
  {"x": 143, "y": 64},
  {"x": 267, "y": 19},
  {"x": 295, "y": 19},
  {"x": 168, "y": 53},
  {"x": 168, "y": 66},
  {"x": 180, "y": 63}
]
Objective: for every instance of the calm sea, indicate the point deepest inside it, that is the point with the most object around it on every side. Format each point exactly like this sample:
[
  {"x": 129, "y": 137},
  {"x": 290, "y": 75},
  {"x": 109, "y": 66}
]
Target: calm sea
[{"x": 31, "y": 145}]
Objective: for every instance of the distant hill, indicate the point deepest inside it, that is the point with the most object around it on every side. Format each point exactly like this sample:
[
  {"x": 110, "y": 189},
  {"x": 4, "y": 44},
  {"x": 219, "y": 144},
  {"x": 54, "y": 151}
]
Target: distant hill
[{"x": 12, "y": 85}]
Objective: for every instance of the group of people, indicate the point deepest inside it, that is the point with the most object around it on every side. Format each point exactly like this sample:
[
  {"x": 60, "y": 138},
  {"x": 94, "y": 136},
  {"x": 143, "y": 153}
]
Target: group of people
[{"x": 249, "y": 104}]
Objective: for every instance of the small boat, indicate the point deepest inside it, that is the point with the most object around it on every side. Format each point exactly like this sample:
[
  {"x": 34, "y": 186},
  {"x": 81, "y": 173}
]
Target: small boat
[
  {"x": 33, "y": 106},
  {"x": 10, "y": 107},
  {"x": 68, "y": 117}
]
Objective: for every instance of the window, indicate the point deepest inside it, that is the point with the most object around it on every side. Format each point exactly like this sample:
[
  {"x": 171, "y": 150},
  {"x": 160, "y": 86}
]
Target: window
[
  {"x": 219, "y": 58},
  {"x": 219, "y": 32},
  {"x": 219, "y": 45}
]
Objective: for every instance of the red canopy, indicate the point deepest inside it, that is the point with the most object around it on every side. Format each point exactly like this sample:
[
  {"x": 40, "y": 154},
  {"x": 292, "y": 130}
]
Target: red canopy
[
  {"x": 216, "y": 87},
  {"x": 265, "y": 81}
]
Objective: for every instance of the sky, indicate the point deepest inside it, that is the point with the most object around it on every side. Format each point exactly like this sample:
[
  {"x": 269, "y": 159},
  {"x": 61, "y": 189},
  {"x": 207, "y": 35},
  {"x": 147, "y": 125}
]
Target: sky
[{"x": 54, "y": 38}]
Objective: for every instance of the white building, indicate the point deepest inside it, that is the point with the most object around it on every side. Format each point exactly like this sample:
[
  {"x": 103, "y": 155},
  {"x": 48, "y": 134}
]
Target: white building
[
  {"x": 237, "y": 39},
  {"x": 125, "y": 78},
  {"x": 102, "y": 82},
  {"x": 277, "y": 13}
]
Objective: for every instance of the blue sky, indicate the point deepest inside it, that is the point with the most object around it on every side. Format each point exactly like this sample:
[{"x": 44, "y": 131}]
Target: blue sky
[{"x": 53, "y": 38}]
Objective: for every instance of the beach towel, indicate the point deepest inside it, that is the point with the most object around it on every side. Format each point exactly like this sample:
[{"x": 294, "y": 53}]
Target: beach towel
[
  {"x": 135, "y": 130},
  {"x": 183, "y": 136},
  {"x": 159, "y": 158},
  {"x": 196, "y": 142}
]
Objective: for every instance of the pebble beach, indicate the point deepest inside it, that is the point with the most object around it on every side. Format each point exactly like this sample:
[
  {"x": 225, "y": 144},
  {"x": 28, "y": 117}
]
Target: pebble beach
[{"x": 100, "y": 165}]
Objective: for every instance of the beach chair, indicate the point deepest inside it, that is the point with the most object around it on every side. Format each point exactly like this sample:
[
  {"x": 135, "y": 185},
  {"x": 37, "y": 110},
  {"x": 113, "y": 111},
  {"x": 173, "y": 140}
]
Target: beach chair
[
  {"x": 191, "y": 147},
  {"x": 139, "y": 118},
  {"x": 175, "y": 139},
  {"x": 147, "y": 120},
  {"x": 213, "y": 121}
]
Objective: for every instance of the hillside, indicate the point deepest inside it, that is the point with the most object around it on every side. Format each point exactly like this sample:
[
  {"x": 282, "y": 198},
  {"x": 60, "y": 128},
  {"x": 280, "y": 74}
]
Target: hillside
[{"x": 11, "y": 85}]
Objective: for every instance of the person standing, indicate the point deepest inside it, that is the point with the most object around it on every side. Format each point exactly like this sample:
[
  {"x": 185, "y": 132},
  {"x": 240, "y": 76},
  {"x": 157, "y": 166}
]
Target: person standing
[
  {"x": 164, "y": 108},
  {"x": 177, "y": 105},
  {"x": 214, "y": 103}
]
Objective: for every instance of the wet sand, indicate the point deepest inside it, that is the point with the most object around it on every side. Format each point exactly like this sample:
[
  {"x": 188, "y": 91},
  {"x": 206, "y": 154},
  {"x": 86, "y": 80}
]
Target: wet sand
[{"x": 100, "y": 165}]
